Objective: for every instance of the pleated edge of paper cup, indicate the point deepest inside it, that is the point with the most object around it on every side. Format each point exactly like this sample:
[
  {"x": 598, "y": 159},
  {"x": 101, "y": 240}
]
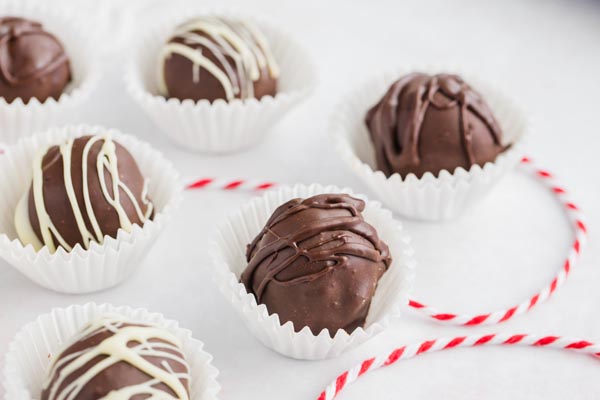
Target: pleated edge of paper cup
[
  {"x": 341, "y": 129},
  {"x": 14, "y": 383},
  {"x": 236, "y": 293},
  {"x": 134, "y": 81},
  {"x": 14, "y": 251},
  {"x": 92, "y": 74}
]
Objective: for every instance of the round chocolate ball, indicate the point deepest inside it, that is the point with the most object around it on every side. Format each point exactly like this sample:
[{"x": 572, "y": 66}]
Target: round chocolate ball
[
  {"x": 317, "y": 263},
  {"x": 33, "y": 62},
  {"x": 216, "y": 58},
  {"x": 82, "y": 190},
  {"x": 428, "y": 123},
  {"x": 117, "y": 359}
]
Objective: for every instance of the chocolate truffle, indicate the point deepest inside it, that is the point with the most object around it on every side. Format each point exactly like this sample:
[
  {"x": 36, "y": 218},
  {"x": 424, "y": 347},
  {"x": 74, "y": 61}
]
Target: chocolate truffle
[
  {"x": 116, "y": 359},
  {"x": 430, "y": 123},
  {"x": 33, "y": 62},
  {"x": 82, "y": 190},
  {"x": 216, "y": 58},
  {"x": 317, "y": 263}
]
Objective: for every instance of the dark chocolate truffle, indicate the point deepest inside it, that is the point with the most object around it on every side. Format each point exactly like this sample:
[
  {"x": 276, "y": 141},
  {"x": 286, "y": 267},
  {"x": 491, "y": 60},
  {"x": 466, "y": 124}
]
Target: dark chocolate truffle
[
  {"x": 33, "y": 62},
  {"x": 82, "y": 190},
  {"x": 124, "y": 359},
  {"x": 317, "y": 263},
  {"x": 430, "y": 123},
  {"x": 215, "y": 58}
]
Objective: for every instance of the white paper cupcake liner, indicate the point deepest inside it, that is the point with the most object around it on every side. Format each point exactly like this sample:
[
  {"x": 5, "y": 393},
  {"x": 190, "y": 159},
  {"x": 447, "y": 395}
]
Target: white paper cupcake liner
[
  {"x": 218, "y": 127},
  {"x": 228, "y": 254},
  {"x": 18, "y": 119},
  {"x": 31, "y": 352},
  {"x": 102, "y": 265},
  {"x": 429, "y": 197}
]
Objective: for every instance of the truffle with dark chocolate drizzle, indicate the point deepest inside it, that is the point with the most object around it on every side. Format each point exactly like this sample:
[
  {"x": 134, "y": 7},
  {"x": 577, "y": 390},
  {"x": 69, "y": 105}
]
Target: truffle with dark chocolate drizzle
[
  {"x": 217, "y": 58},
  {"x": 112, "y": 358},
  {"x": 317, "y": 263},
  {"x": 33, "y": 62},
  {"x": 432, "y": 123},
  {"x": 82, "y": 190}
]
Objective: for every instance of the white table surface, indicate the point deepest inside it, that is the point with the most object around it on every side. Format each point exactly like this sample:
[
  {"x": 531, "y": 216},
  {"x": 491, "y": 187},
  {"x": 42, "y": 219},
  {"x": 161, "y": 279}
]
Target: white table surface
[{"x": 545, "y": 53}]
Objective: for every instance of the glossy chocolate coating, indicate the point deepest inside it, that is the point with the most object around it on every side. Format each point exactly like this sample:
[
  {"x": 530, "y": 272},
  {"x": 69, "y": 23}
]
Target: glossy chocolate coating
[
  {"x": 33, "y": 62},
  {"x": 430, "y": 123},
  {"x": 113, "y": 376},
  {"x": 56, "y": 198},
  {"x": 317, "y": 263},
  {"x": 185, "y": 79}
]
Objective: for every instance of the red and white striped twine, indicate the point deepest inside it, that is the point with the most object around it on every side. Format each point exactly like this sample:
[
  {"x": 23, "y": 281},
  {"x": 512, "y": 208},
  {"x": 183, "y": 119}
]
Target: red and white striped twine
[
  {"x": 571, "y": 209},
  {"x": 580, "y": 235},
  {"x": 410, "y": 351},
  {"x": 229, "y": 184}
]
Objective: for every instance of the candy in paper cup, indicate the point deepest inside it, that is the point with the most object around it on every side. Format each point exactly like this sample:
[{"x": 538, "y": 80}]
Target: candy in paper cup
[
  {"x": 429, "y": 197},
  {"x": 19, "y": 119},
  {"x": 102, "y": 265},
  {"x": 220, "y": 126},
  {"x": 33, "y": 349},
  {"x": 228, "y": 255}
]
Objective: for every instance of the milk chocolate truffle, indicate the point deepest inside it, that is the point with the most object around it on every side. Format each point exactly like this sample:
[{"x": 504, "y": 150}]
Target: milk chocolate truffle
[
  {"x": 33, "y": 62},
  {"x": 116, "y": 359},
  {"x": 430, "y": 123},
  {"x": 317, "y": 263},
  {"x": 216, "y": 58},
  {"x": 82, "y": 190}
]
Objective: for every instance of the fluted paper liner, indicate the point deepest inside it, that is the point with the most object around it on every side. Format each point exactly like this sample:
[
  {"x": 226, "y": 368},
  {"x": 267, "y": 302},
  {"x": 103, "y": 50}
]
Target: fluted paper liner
[
  {"x": 18, "y": 119},
  {"x": 228, "y": 254},
  {"x": 221, "y": 126},
  {"x": 102, "y": 265},
  {"x": 33, "y": 349},
  {"x": 427, "y": 198}
]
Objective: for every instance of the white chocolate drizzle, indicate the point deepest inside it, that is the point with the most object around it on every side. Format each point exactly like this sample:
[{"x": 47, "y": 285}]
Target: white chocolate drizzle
[
  {"x": 106, "y": 162},
  {"x": 149, "y": 341},
  {"x": 226, "y": 40}
]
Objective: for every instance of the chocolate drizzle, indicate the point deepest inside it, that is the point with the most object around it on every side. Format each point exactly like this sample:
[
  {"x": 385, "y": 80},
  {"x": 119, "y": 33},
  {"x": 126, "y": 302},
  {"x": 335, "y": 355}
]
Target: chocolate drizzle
[
  {"x": 213, "y": 58},
  {"x": 82, "y": 190},
  {"x": 317, "y": 263},
  {"x": 33, "y": 62},
  {"x": 431, "y": 123},
  {"x": 112, "y": 358}
]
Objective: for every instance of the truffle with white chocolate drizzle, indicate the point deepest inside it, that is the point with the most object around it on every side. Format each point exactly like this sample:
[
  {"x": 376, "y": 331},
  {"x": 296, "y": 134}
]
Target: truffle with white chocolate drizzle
[
  {"x": 83, "y": 190},
  {"x": 217, "y": 58},
  {"x": 115, "y": 359}
]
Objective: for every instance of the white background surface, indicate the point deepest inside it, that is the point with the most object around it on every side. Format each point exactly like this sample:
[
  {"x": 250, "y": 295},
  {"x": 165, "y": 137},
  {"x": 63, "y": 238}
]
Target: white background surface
[{"x": 545, "y": 53}]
